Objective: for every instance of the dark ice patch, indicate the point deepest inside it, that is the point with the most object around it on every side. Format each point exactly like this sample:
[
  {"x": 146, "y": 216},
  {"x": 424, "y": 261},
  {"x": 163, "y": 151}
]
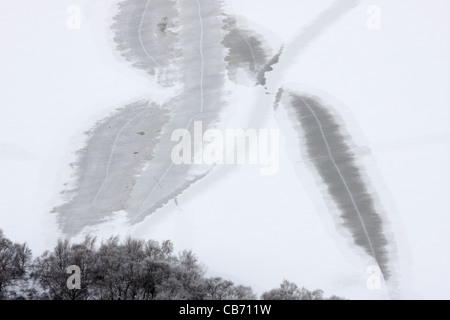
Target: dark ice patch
[
  {"x": 106, "y": 169},
  {"x": 247, "y": 50},
  {"x": 328, "y": 150},
  {"x": 145, "y": 35}
]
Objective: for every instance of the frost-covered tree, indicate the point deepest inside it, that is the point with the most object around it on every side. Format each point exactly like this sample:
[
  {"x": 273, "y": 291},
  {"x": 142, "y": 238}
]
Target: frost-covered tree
[
  {"x": 133, "y": 270},
  {"x": 50, "y": 270},
  {"x": 286, "y": 291},
  {"x": 14, "y": 269},
  {"x": 186, "y": 279},
  {"x": 220, "y": 289},
  {"x": 128, "y": 270},
  {"x": 290, "y": 291}
]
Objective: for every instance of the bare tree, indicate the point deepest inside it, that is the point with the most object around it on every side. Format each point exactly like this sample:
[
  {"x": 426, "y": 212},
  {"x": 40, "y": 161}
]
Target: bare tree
[{"x": 14, "y": 267}]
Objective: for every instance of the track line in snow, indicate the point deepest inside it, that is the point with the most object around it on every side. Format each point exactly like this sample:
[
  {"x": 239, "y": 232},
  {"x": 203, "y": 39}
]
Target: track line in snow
[
  {"x": 108, "y": 165},
  {"x": 202, "y": 71},
  {"x": 140, "y": 35},
  {"x": 141, "y": 210}
]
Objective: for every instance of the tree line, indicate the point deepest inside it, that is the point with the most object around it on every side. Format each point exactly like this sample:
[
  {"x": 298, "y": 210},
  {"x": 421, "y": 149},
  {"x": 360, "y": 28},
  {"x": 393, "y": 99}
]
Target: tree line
[{"x": 127, "y": 270}]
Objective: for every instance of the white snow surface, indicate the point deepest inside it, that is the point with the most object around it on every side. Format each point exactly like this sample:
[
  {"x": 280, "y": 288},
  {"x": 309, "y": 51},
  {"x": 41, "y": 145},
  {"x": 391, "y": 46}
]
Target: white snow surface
[{"x": 255, "y": 230}]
